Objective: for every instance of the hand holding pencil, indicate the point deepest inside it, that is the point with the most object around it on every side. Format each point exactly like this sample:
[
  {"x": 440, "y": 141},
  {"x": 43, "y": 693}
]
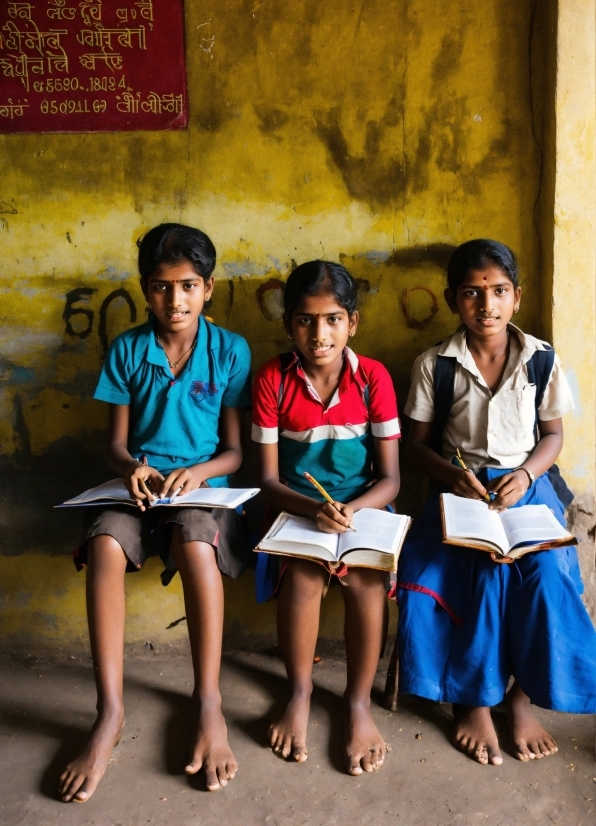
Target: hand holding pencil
[
  {"x": 472, "y": 485},
  {"x": 331, "y": 501}
]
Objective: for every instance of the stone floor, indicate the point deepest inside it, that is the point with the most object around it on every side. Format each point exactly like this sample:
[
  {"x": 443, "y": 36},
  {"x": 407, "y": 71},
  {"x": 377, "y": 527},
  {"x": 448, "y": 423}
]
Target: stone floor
[{"x": 46, "y": 708}]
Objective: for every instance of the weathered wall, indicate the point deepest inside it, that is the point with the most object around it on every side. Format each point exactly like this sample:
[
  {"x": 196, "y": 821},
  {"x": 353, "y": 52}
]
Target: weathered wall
[{"x": 379, "y": 133}]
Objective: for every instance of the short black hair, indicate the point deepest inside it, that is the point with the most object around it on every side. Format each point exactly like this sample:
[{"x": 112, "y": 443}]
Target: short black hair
[
  {"x": 172, "y": 244},
  {"x": 478, "y": 255},
  {"x": 317, "y": 277}
]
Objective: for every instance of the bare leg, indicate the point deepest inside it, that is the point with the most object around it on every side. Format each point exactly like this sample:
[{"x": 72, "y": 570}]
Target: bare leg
[
  {"x": 530, "y": 740},
  {"x": 474, "y": 733},
  {"x": 298, "y": 610},
  {"x": 364, "y": 598},
  {"x": 204, "y": 602},
  {"x": 106, "y": 564}
]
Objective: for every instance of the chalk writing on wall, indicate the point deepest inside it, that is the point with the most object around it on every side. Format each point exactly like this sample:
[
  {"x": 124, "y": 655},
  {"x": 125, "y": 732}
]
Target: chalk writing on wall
[
  {"x": 92, "y": 65},
  {"x": 79, "y": 320}
]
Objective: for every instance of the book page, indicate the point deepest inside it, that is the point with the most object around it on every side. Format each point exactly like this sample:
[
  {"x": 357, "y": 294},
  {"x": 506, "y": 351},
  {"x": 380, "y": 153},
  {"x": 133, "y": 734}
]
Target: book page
[
  {"x": 114, "y": 489},
  {"x": 531, "y": 524},
  {"x": 212, "y": 497},
  {"x": 471, "y": 519},
  {"x": 300, "y": 530},
  {"x": 375, "y": 529}
]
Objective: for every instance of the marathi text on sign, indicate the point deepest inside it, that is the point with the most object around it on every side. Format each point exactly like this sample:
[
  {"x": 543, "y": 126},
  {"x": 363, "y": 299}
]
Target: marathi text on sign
[{"x": 92, "y": 65}]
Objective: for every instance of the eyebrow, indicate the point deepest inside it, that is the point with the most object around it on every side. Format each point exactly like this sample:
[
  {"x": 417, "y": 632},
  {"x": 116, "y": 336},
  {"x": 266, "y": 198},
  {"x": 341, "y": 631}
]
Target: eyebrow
[
  {"x": 155, "y": 278},
  {"x": 314, "y": 315},
  {"x": 472, "y": 286}
]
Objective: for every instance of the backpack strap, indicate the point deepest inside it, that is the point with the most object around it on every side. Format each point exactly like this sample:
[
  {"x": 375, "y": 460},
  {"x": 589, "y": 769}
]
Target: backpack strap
[
  {"x": 539, "y": 368},
  {"x": 443, "y": 384}
]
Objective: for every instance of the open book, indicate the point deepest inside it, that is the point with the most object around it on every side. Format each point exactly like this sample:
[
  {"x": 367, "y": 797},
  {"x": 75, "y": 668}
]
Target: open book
[
  {"x": 375, "y": 544},
  {"x": 114, "y": 492},
  {"x": 510, "y": 533}
]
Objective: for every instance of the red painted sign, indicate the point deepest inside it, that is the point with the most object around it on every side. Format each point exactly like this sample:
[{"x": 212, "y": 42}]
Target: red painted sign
[{"x": 92, "y": 65}]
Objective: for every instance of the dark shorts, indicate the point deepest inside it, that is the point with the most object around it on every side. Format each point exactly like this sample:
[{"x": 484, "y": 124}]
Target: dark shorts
[{"x": 143, "y": 534}]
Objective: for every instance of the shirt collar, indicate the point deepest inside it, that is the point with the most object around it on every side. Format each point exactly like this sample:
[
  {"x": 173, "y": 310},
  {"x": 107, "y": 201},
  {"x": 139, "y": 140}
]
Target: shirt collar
[
  {"x": 456, "y": 345},
  {"x": 350, "y": 371},
  {"x": 156, "y": 354}
]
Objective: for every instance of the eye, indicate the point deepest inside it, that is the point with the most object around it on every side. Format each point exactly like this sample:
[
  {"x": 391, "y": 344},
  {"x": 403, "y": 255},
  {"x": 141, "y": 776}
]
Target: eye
[
  {"x": 501, "y": 290},
  {"x": 470, "y": 293},
  {"x": 189, "y": 285},
  {"x": 303, "y": 320},
  {"x": 334, "y": 319},
  {"x": 159, "y": 288}
]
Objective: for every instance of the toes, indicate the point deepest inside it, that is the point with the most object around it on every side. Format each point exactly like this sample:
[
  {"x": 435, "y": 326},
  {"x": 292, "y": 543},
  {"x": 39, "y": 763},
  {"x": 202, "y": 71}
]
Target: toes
[
  {"x": 86, "y": 789},
  {"x": 71, "y": 787},
  {"x": 299, "y": 753},
  {"x": 480, "y": 754},
  {"x": 212, "y": 780},
  {"x": 377, "y": 758},
  {"x": 494, "y": 756},
  {"x": 354, "y": 767},
  {"x": 193, "y": 767},
  {"x": 524, "y": 753}
]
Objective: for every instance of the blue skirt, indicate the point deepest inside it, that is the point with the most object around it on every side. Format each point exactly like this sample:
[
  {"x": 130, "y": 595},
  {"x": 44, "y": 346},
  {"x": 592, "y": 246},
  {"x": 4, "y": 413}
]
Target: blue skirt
[{"x": 466, "y": 623}]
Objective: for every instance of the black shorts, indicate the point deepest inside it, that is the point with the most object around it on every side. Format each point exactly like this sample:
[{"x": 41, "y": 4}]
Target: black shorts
[{"x": 142, "y": 534}]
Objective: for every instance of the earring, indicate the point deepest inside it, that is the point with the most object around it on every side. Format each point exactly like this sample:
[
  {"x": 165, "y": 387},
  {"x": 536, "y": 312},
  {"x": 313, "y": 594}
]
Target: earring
[
  {"x": 352, "y": 335},
  {"x": 291, "y": 337},
  {"x": 516, "y": 311}
]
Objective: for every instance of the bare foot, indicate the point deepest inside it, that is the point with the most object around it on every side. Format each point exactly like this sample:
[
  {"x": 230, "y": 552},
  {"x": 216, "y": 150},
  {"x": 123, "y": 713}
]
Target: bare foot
[
  {"x": 365, "y": 748},
  {"x": 287, "y": 737},
  {"x": 530, "y": 740},
  {"x": 80, "y": 779},
  {"x": 210, "y": 750},
  {"x": 474, "y": 733}
]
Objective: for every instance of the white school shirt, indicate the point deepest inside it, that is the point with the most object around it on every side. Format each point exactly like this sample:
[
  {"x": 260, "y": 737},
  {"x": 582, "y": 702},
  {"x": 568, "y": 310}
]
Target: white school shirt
[{"x": 491, "y": 430}]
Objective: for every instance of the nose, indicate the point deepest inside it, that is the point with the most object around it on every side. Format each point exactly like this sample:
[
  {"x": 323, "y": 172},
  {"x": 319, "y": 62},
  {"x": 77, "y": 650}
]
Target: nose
[
  {"x": 176, "y": 295},
  {"x": 318, "y": 330},
  {"x": 486, "y": 301}
]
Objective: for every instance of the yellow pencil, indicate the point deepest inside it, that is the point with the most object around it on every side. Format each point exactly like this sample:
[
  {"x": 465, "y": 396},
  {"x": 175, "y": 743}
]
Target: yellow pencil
[
  {"x": 324, "y": 494},
  {"x": 486, "y": 497}
]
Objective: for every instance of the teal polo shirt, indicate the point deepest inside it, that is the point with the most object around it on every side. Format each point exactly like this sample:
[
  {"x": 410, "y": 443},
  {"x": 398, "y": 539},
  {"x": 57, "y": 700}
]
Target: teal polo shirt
[{"x": 175, "y": 421}]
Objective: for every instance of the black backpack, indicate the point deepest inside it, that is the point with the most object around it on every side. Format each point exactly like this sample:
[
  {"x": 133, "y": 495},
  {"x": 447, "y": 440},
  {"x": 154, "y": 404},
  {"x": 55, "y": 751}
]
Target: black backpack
[{"x": 539, "y": 369}]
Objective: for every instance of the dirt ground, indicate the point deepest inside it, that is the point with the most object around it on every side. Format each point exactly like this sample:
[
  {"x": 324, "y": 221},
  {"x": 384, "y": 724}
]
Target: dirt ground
[{"x": 46, "y": 708}]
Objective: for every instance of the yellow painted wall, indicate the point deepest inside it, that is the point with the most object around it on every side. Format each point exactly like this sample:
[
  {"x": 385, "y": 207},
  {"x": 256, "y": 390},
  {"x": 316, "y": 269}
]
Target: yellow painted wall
[{"x": 382, "y": 133}]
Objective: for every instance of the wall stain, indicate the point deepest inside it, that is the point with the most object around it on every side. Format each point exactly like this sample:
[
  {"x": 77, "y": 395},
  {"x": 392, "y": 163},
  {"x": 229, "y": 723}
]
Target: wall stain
[
  {"x": 437, "y": 253},
  {"x": 374, "y": 177},
  {"x": 272, "y": 119},
  {"x": 411, "y": 320}
]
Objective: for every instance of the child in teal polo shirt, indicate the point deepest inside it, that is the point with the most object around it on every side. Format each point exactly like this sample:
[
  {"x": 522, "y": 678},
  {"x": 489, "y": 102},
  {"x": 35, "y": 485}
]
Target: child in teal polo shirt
[{"x": 176, "y": 387}]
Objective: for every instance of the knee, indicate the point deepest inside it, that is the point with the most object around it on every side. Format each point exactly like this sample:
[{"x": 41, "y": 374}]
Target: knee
[
  {"x": 305, "y": 579},
  {"x": 104, "y": 547},
  {"x": 365, "y": 579},
  {"x": 185, "y": 553},
  {"x": 105, "y": 557}
]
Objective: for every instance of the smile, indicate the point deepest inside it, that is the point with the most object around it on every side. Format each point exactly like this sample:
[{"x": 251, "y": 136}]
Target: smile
[
  {"x": 321, "y": 351},
  {"x": 178, "y": 315}
]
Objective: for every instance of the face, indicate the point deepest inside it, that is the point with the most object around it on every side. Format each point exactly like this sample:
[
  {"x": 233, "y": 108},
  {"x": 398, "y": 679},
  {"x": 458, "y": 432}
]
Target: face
[
  {"x": 176, "y": 295},
  {"x": 485, "y": 301},
  {"x": 321, "y": 328}
]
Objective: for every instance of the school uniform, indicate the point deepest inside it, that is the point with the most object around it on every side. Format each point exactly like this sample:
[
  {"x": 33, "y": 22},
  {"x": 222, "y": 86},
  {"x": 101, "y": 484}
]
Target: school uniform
[
  {"x": 333, "y": 442},
  {"x": 466, "y": 623},
  {"x": 174, "y": 422}
]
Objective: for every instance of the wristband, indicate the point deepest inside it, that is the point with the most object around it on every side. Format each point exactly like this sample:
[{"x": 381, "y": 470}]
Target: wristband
[{"x": 531, "y": 477}]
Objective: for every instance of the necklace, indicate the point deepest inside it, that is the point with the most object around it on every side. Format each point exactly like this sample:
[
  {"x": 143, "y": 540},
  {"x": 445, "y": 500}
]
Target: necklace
[{"x": 173, "y": 364}]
